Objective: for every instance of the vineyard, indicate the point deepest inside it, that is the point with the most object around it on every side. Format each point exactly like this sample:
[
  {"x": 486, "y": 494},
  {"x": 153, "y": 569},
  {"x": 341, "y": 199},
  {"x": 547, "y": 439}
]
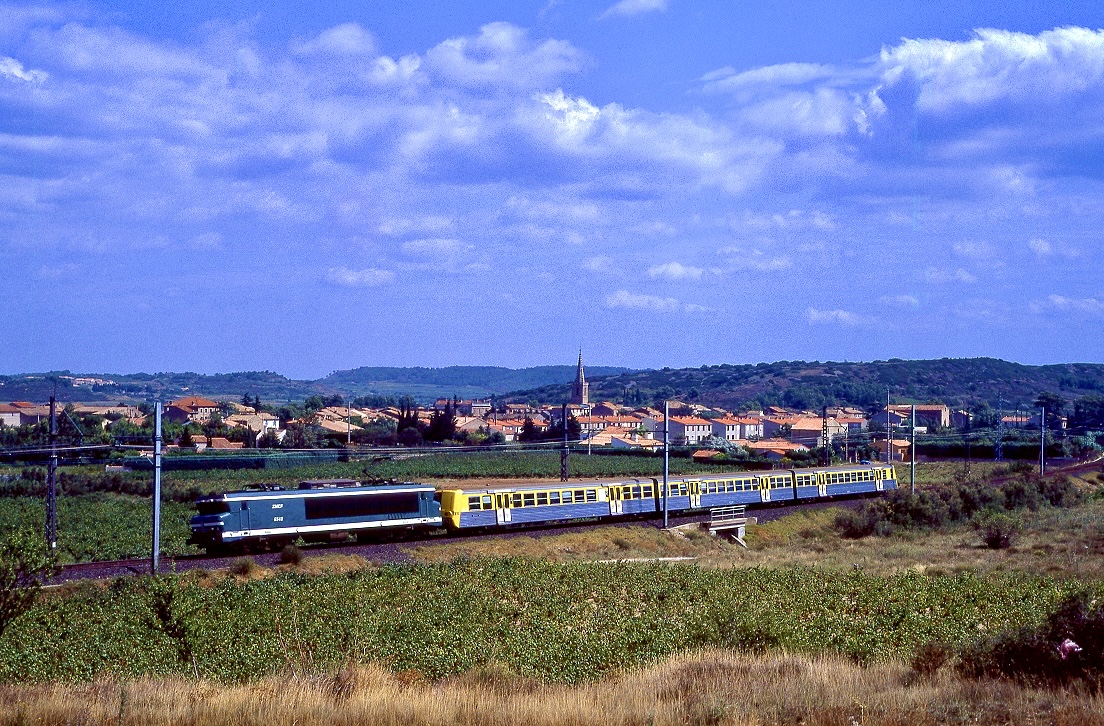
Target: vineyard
[
  {"x": 101, "y": 526},
  {"x": 563, "y": 623}
]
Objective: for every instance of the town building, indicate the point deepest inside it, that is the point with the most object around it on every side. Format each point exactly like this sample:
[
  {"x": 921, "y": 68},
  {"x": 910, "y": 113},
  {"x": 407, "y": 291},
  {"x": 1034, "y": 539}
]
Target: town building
[{"x": 689, "y": 430}]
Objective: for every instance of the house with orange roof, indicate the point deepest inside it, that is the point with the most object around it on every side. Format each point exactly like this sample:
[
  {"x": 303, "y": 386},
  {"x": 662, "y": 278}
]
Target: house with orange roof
[{"x": 689, "y": 430}]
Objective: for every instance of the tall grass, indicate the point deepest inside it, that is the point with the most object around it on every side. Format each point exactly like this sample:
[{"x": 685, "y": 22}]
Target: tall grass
[{"x": 710, "y": 687}]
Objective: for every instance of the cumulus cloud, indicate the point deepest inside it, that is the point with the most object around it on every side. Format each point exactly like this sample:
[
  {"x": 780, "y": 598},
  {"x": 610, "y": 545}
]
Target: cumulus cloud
[
  {"x": 840, "y": 317},
  {"x": 436, "y": 247},
  {"x": 908, "y": 301},
  {"x": 602, "y": 264},
  {"x": 1091, "y": 306},
  {"x": 503, "y": 55},
  {"x": 633, "y": 7},
  {"x": 654, "y": 303},
  {"x": 1040, "y": 247},
  {"x": 940, "y": 275},
  {"x": 368, "y": 277},
  {"x": 675, "y": 271},
  {"x": 13, "y": 70},
  {"x": 345, "y": 39}
]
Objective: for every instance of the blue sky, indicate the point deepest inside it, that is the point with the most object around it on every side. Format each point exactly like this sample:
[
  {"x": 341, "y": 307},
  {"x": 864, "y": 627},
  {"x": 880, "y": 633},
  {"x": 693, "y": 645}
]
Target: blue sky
[{"x": 196, "y": 186}]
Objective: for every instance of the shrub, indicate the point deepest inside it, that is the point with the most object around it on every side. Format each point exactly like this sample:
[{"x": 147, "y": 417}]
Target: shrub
[
  {"x": 930, "y": 657},
  {"x": 242, "y": 566},
  {"x": 997, "y": 529},
  {"x": 291, "y": 555},
  {"x": 1032, "y": 655}
]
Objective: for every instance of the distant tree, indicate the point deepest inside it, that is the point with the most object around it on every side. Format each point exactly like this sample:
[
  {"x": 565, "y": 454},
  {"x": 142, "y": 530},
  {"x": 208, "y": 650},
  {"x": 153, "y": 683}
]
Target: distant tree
[
  {"x": 410, "y": 436},
  {"x": 186, "y": 441},
  {"x": 528, "y": 431},
  {"x": 442, "y": 425},
  {"x": 1054, "y": 404}
]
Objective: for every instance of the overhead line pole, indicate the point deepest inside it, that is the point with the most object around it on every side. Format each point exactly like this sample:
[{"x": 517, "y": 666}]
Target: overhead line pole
[
  {"x": 666, "y": 458},
  {"x": 155, "y": 560},
  {"x": 1042, "y": 442},
  {"x": 51, "y": 480},
  {"x": 912, "y": 457}
]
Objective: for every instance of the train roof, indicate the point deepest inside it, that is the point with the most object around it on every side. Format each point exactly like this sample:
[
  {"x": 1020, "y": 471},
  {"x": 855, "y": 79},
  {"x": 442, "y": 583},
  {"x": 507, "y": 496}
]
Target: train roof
[
  {"x": 321, "y": 491},
  {"x": 583, "y": 483}
]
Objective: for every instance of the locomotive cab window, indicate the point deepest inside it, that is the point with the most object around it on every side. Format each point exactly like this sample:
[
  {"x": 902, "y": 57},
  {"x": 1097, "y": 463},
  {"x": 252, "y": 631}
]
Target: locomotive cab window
[{"x": 213, "y": 507}]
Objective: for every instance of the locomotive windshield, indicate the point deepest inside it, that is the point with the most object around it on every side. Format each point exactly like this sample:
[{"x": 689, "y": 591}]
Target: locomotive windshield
[{"x": 213, "y": 507}]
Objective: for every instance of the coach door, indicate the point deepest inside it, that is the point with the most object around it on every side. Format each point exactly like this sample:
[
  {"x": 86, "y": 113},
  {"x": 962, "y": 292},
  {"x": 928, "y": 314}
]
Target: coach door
[
  {"x": 502, "y": 508},
  {"x": 763, "y": 483},
  {"x": 617, "y": 505},
  {"x": 695, "y": 494}
]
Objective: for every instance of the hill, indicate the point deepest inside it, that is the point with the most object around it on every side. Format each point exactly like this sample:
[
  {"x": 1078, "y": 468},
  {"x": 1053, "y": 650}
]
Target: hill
[
  {"x": 959, "y": 382},
  {"x": 463, "y": 381},
  {"x": 424, "y": 384}
]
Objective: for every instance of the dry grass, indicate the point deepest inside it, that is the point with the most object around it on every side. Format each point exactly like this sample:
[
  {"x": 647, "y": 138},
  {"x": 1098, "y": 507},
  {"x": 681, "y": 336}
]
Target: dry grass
[
  {"x": 595, "y": 543},
  {"x": 705, "y": 688}
]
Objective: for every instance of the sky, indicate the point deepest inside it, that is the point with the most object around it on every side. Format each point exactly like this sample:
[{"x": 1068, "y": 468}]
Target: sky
[{"x": 284, "y": 186}]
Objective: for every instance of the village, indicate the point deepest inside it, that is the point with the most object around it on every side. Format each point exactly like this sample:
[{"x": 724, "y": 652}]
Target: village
[{"x": 772, "y": 433}]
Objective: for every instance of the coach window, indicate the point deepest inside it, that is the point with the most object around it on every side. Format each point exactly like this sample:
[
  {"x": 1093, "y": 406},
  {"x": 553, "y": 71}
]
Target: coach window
[
  {"x": 473, "y": 503},
  {"x": 530, "y": 500},
  {"x": 580, "y": 496},
  {"x": 516, "y": 500},
  {"x": 542, "y": 498},
  {"x": 487, "y": 501},
  {"x": 591, "y": 495},
  {"x": 648, "y": 491},
  {"x": 567, "y": 497},
  {"x": 553, "y": 497}
]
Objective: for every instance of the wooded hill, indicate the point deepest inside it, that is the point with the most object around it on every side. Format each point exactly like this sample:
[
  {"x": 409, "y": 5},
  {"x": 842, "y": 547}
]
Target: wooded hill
[{"x": 959, "y": 382}]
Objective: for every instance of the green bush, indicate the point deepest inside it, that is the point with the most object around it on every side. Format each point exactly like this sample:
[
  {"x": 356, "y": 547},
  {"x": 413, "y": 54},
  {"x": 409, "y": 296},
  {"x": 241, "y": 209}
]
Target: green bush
[
  {"x": 291, "y": 555},
  {"x": 997, "y": 529}
]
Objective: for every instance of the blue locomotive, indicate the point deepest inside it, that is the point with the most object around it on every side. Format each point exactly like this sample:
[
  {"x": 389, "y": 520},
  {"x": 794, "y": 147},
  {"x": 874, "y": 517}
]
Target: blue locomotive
[{"x": 318, "y": 511}]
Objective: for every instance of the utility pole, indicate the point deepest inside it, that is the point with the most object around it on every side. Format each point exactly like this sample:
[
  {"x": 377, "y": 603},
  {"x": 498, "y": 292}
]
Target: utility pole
[
  {"x": 889, "y": 440},
  {"x": 966, "y": 446},
  {"x": 666, "y": 458},
  {"x": 51, "y": 479},
  {"x": 564, "y": 473},
  {"x": 824, "y": 437},
  {"x": 1042, "y": 442},
  {"x": 998, "y": 452},
  {"x": 348, "y": 424},
  {"x": 912, "y": 457},
  {"x": 155, "y": 560}
]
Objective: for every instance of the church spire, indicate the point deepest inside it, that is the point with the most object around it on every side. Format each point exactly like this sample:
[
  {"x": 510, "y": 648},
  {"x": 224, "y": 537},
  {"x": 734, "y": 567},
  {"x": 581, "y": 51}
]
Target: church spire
[{"x": 580, "y": 389}]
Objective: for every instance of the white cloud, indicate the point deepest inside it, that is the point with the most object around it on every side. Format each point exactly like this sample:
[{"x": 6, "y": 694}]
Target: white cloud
[
  {"x": 654, "y": 303},
  {"x": 368, "y": 277},
  {"x": 602, "y": 264},
  {"x": 404, "y": 225},
  {"x": 908, "y": 301},
  {"x": 998, "y": 64},
  {"x": 675, "y": 271},
  {"x": 1091, "y": 306},
  {"x": 12, "y": 69},
  {"x": 436, "y": 247},
  {"x": 345, "y": 39},
  {"x": 842, "y": 317},
  {"x": 940, "y": 275},
  {"x": 633, "y": 7},
  {"x": 1040, "y": 247},
  {"x": 756, "y": 260},
  {"x": 503, "y": 55},
  {"x": 974, "y": 249}
]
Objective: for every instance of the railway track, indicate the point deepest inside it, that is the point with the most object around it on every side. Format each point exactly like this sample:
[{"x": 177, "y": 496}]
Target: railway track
[{"x": 395, "y": 551}]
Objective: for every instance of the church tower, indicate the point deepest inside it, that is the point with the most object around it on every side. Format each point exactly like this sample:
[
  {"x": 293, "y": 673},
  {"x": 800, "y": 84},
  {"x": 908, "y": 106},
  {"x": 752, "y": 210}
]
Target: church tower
[{"x": 580, "y": 389}]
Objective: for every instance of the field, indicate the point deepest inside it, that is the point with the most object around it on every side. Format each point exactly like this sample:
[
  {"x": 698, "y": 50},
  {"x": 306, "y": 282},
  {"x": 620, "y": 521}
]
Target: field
[{"x": 584, "y": 626}]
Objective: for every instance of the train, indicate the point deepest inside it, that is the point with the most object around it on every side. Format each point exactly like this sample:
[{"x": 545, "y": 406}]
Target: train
[{"x": 333, "y": 510}]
